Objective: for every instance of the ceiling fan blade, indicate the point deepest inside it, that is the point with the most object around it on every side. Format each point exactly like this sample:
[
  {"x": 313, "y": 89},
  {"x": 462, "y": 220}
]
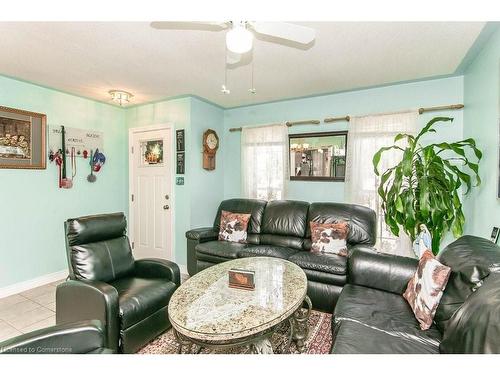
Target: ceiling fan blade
[
  {"x": 283, "y": 30},
  {"x": 187, "y": 25},
  {"x": 232, "y": 57}
]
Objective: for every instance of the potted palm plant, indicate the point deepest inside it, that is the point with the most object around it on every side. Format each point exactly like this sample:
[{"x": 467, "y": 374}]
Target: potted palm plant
[{"x": 424, "y": 187}]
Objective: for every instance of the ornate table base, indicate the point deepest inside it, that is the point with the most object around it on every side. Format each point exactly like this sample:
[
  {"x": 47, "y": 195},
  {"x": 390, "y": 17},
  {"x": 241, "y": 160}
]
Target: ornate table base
[{"x": 260, "y": 343}]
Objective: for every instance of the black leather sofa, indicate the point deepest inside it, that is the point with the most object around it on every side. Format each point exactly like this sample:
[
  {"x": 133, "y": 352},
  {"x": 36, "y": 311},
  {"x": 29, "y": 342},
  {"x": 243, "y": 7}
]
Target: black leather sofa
[
  {"x": 129, "y": 296},
  {"x": 281, "y": 229},
  {"x": 86, "y": 337},
  {"x": 371, "y": 316}
]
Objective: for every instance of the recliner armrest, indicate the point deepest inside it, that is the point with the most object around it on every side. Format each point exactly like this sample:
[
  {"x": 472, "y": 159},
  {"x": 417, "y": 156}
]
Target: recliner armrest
[
  {"x": 71, "y": 338},
  {"x": 388, "y": 272},
  {"x": 78, "y": 300},
  {"x": 158, "y": 268},
  {"x": 202, "y": 234}
]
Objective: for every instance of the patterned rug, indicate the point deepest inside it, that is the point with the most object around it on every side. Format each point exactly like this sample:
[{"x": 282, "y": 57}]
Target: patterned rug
[{"x": 318, "y": 342}]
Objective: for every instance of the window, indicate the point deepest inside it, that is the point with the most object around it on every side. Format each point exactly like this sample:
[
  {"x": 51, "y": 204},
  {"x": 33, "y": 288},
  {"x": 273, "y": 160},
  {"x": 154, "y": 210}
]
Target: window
[
  {"x": 264, "y": 153},
  {"x": 366, "y": 136}
]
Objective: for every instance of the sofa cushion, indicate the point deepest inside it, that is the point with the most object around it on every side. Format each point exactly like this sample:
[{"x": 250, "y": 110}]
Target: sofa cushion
[
  {"x": 139, "y": 298},
  {"x": 284, "y": 224},
  {"x": 254, "y": 207},
  {"x": 471, "y": 260},
  {"x": 233, "y": 227},
  {"x": 329, "y": 238},
  {"x": 350, "y": 337},
  {"x": 267, "y": 251},
  {"x": 326, "y": 263},
  {"x": 425, "y": 288},
  {"x": 221, "y": 249},
  {"x": 362, "y": 221},
  {"x": 383, "y": 310},
  {"x": 285, "y": 218}
]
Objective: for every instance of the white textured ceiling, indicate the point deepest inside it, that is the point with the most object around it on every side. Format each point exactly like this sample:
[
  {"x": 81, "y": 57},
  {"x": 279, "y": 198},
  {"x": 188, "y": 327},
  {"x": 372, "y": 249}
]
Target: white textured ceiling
[{"x": 90, "y": 58}]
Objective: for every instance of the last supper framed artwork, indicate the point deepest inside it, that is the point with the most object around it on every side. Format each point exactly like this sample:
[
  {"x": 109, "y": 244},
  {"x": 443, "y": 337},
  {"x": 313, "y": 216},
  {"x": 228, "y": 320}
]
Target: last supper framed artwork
[{"x": 22, "y": 139}]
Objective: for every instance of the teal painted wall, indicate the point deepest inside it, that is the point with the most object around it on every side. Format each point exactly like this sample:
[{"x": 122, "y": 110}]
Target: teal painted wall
[
  {"x": 33, "y": 207},
  {"x": 481, "y": 122},
  {"x": 377, "y": 100},
  {"x": 207, "y": 190}
]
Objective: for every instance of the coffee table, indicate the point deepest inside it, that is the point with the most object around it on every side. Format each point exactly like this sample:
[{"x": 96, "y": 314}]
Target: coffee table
[{"x": 206, "y": 313}]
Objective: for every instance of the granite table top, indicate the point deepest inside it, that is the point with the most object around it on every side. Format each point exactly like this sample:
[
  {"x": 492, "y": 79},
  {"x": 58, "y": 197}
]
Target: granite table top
[{"x": 206, "y": 309}]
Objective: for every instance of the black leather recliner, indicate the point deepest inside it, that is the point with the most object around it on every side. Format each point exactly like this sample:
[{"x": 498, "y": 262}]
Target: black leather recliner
[
  {"x": 86, "y": 337},
  {"x": 129, "y": 296},
  {"x": 281, "y": 229}
]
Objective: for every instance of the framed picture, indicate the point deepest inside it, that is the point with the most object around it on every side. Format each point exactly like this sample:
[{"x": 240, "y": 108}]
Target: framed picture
[
  {"x": 180, "y": 163},
  {"x": 494, "y": 234},
  {"x": 180, "y": 142},
  {"x": 318, "y": 156},
  {"x": 22, "y": 139}
]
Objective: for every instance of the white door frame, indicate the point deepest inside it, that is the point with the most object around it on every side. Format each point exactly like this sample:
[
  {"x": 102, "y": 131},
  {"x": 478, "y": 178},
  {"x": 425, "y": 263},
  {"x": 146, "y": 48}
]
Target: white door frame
[{"x": 169, "y": 128}]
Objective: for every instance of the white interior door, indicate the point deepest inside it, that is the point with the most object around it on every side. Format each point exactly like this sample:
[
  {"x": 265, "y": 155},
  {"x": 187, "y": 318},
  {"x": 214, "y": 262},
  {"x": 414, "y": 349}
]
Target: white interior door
[{"x": 150, "y": 184}]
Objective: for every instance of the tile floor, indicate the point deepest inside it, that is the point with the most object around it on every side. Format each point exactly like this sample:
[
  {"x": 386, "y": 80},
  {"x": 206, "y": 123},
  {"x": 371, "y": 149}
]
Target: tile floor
[
  {"x": 31, "y": 310},
  {"x": 28, "y": 311}
]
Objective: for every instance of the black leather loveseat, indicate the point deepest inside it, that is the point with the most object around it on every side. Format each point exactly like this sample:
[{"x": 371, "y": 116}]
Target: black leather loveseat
[
  {"x": 281, "y": 229},
  {"x": 371, "y": 316}
]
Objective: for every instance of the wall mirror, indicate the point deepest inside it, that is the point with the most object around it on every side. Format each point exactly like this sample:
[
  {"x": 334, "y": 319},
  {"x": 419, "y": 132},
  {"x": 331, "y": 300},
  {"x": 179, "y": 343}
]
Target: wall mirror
[{"x": 318, "y": 156}]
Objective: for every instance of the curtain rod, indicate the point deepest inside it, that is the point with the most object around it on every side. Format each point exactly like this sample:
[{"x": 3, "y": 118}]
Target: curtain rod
[
  {"x": 288, "y": 123},
  {"x": 420, "y": 111},
  {"x": 348, "y": 118}
]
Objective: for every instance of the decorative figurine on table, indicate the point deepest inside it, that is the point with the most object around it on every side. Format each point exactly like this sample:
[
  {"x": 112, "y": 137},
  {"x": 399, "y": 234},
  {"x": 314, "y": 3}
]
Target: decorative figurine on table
[{"x": 423, "y": 241}]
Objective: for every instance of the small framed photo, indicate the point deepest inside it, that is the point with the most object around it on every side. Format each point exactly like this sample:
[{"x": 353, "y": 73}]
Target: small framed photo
[
  {"x": 241, "y": 279},
  {"x": 494, "y": 234},
  {"x": 180, "y": 140},
  {"x": 180, "y": 163}
]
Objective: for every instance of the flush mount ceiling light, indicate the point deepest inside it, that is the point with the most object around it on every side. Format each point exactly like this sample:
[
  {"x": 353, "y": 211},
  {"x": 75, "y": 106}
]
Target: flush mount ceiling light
[
  {"x": 239, "y": 39},
  {"x": 120, "y": 97}
]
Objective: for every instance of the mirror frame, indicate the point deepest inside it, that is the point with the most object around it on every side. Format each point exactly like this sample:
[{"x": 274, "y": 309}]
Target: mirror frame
[{"x": 319, "y": 134}]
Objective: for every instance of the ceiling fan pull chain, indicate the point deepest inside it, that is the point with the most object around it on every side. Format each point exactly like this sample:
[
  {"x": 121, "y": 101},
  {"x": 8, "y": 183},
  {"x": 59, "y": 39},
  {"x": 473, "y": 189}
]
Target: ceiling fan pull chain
[
  {"x": 224, "y": 89},
  {"x": 252, "y": 89}
]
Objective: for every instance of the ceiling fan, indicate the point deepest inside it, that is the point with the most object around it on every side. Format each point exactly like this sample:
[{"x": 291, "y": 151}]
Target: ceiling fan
[{"x": 239, "y": 38}]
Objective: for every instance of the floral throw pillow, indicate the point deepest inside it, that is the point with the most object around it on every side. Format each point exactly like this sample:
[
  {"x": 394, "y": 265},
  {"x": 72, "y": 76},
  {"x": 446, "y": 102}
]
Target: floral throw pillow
[
  {"x": 329, "y": 238},
  {"x": 425, "y": 288},
  {"x": 233, "y": 227}
]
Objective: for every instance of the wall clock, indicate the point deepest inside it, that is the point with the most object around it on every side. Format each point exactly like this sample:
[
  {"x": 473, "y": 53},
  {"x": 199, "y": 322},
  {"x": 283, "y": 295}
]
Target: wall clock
[{"x": 210, "y": 146}]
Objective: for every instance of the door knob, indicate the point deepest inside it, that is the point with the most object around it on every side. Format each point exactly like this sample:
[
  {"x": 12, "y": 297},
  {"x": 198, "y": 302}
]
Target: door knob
[
  {"x": 166, "y": 196},
  {"x": 166, "y": 207}
]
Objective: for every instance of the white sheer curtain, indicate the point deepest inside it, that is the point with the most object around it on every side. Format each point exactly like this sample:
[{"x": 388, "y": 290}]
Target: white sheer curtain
[
  {"x": 366, "y": 136},
  {"x": 264, "y": 161}
]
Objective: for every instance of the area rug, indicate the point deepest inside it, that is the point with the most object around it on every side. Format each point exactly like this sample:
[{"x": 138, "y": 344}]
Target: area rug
[{"x": 318, "y": 342}]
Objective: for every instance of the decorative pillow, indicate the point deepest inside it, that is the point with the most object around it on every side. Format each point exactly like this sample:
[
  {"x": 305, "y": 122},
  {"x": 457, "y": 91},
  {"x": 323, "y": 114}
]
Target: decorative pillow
[
  {"x": 233, "y": 227},
  {"x": 425, "y": 288},
  {"x": 329, "y": 238}
]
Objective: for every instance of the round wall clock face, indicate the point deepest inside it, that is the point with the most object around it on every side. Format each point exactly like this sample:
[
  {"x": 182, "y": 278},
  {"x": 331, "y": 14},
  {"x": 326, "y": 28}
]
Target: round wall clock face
[{"x": 211, "y": 141}]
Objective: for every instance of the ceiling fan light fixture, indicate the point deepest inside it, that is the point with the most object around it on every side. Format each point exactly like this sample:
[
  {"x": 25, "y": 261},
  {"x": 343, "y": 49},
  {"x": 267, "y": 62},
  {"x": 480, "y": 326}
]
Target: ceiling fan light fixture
[
  {"x": 239, "y": 39},
  {"x": 120, "y": 97}
]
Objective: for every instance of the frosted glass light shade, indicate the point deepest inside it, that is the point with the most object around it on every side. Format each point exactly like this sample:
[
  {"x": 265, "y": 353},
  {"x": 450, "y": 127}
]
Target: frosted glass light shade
[{"x": 239, "y": 39}]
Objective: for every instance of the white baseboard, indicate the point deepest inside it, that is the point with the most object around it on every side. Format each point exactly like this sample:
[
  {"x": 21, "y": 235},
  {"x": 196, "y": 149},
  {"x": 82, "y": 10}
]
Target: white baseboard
[
  {"x": 33, "y": 283},
  {"x": 183, "y": 269}
]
